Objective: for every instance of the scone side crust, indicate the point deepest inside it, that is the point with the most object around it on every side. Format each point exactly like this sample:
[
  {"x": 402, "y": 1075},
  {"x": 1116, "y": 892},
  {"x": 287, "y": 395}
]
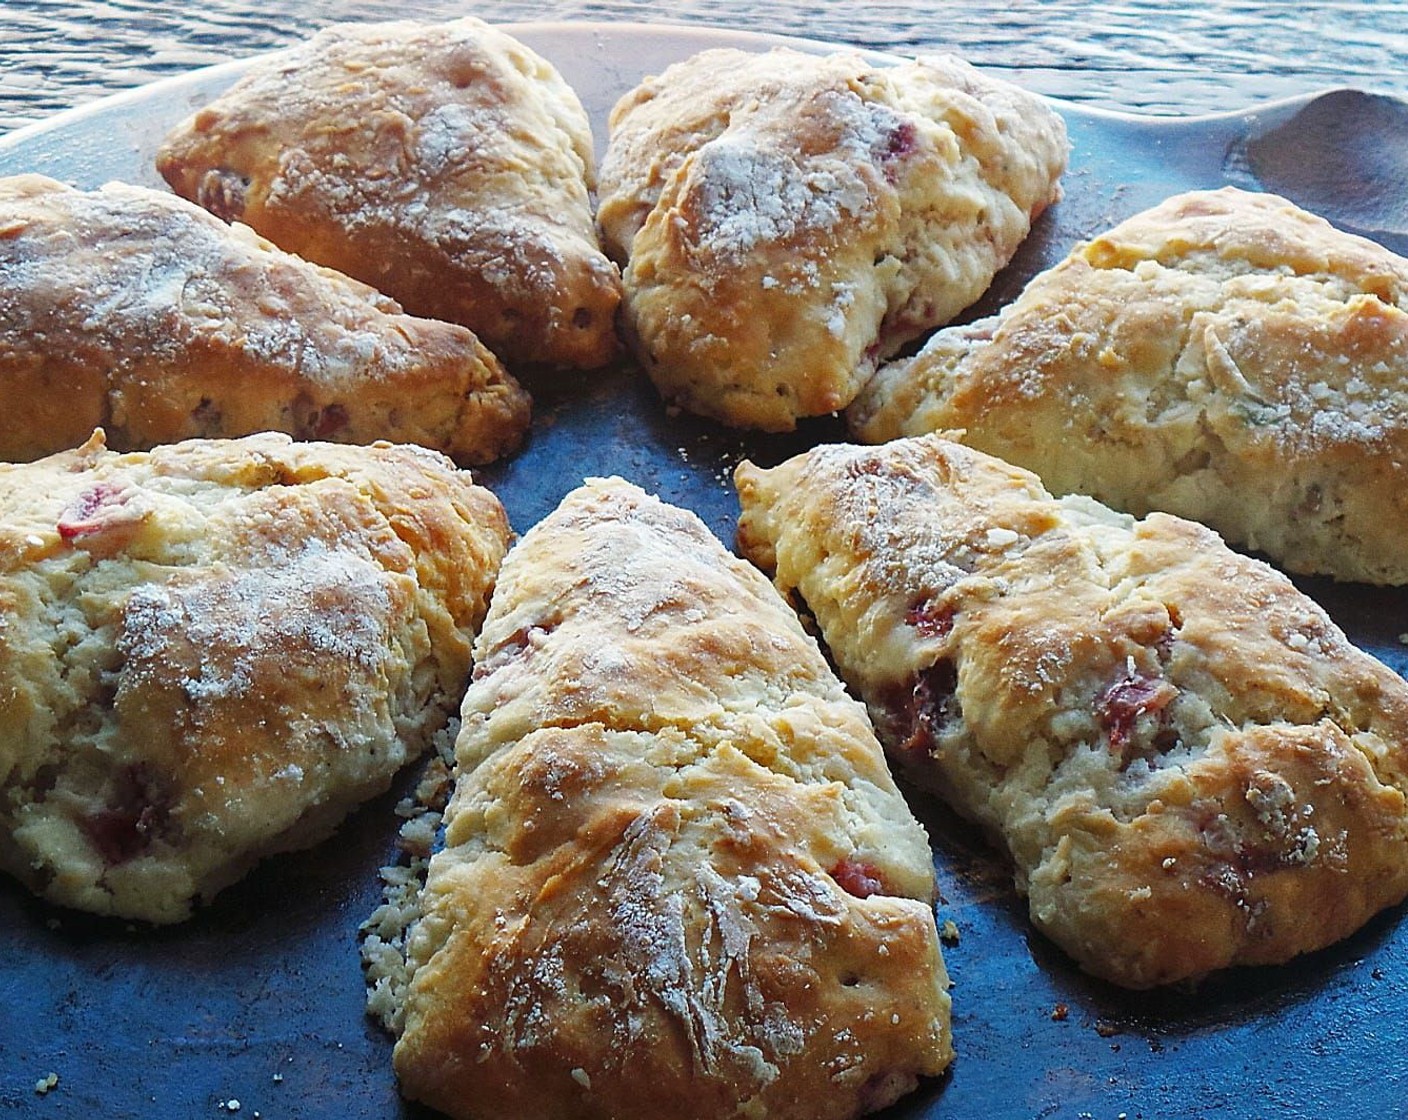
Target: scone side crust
[
  {"x": 444, "y": 163},
  {"x": 1189, "y": 763},
  {"x": 600, "y": 830},
  {"x": 1224, "y": 356},
  {"x": 215, "y": 650}
]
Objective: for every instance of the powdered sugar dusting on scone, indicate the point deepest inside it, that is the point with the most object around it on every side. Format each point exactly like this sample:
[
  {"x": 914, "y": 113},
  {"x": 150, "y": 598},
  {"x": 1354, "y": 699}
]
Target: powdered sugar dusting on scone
[
  {"x": 260, "y": 612},
  {"x": 751, "y": 198}
]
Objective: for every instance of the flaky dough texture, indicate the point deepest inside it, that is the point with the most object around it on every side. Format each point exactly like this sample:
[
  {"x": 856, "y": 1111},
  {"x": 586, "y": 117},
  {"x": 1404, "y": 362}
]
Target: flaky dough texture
[
  {"x": 677, "y": 878},
  {"x": 789, "y": 219},
  {"x": 1189, "y": 763},
  {"x": 213, "y": 651},
  {"x": 1224, "y": 356},
  {"x": 445, "y": 164},
  {"x": 136, "y": 311}
]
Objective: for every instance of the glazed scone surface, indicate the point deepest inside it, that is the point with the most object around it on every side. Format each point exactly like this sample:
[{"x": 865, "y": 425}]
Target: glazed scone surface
[
  {"x": 213, "y": 651},
  {"x": 136, "y": 311},
  {"x": 1224, "y": 356},
  {"x": 1189, "y": 763},
  {"x": 788, "y": 219},
  {"x": 445, "y": 164},
  {"x": 677, "y": 878}
]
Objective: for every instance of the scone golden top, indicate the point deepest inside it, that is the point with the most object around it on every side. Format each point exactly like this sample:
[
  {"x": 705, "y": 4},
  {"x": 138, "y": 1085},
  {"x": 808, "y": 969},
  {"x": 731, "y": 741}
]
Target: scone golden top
[
  {"x": 445, "y": 164},
  {"x": 677, "y": 878},
  {"x": 213, "y": 651},
  {"x": 1189, "y": 763},
  {"x": 789, "y": 219},
  {"x": 1224, "y": 356},
  {"x": 136, "y": 311}
]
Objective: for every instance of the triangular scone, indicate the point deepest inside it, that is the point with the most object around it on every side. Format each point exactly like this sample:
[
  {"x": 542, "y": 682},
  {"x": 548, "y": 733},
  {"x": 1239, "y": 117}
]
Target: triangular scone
[
  {"x": 136, "y": 311},
  {"x": 1189, "y": 763},
  {"x": 790, "y": 219},
  {"x": 213, "y": 651},
  {"x": 445, "y": 164},
  {"x": 1224, "y": 356},
  {"x": 677, "y": 879}
]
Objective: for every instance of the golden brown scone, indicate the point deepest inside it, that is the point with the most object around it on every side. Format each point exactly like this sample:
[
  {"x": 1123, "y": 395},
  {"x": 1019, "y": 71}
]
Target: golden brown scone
[
  {"x": 445, "y": 164},
  {"x": 213, "y": 651},
  {"x": 789, "y": 219},
  {"x": 1225, "y": 357},
  {"x": 677, "y": 879},
  {"x": 135, "y": 311},
  {"x": 1188, "y": 762}
]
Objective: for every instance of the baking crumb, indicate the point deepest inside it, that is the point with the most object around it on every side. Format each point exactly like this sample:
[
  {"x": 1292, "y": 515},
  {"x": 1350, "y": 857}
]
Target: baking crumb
[
  {"x": 1106, "y": 1030},
  {"x": 948, "y": 932},
  {"x": 582, "y": 1078},
  {"x": 47, "y": 1084},
  {"x": 231, "y": 1105},
  {"x": 1060, "y": 1012},
  {"x": 278, "y": 1078},
  {"x": 1403, "y": 639}
]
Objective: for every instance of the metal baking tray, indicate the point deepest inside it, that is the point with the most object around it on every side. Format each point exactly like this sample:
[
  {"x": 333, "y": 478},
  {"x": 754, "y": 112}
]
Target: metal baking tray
[{"x": 255, "y": 1006}]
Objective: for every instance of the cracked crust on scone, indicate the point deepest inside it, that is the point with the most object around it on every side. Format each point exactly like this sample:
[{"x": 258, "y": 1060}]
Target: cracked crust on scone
[
  {"x": 788, "y": 219},
  {"x": 677, "y": 878},
  {"x": 1189, "y": 763},
  {"x": 1224, "y": 356},
  {"x": 446, "y": 164},
  {"x": 135, "y": 311},
  {"x": 213, "y": 651}
]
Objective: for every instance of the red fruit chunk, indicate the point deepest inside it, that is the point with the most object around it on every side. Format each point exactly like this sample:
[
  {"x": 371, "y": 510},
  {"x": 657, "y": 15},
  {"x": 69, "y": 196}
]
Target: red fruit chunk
[
  {"x": 858, "y": 878},
  {"x": 1119, "y": 707}
]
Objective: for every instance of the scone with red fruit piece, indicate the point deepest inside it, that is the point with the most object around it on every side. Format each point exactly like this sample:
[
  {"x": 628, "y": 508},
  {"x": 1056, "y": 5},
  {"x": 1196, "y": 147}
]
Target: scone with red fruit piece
[
  {"x": 677, "y": 878},
  {"x": 786, "y": 220},
  {"x": 213, "y": 651},
  {"x": 1189, "y": 763}
]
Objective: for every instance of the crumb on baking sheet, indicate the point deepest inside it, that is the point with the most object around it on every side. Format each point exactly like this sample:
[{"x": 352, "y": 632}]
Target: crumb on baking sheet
[
  {"x": 47, "y": 1084},
  {"x": 1060, "y": 1013},
  {"x": 384, "y": 933},
  {"x": 948, "y": 932}
]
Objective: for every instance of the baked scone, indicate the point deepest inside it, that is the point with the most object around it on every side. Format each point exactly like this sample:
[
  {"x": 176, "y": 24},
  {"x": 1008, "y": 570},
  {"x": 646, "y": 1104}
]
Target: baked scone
[
  {"x": 213, "y": 651},
  {"x": 445, "y": 164},
  {"x": 136, "y": 311},
  {"x": 1189, "y": 763},
  {"x": 789, "y": 219},
  {"x": 677, "y": 878},
  {"x": 1224, "y": 356}
]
